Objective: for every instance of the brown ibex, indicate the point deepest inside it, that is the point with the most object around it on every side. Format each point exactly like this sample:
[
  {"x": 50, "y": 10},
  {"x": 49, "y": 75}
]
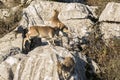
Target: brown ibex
[
  {"x": 57, "y": 23},
  {"x": 65, "y": 69},
  {"x": 42, "y": 32}
]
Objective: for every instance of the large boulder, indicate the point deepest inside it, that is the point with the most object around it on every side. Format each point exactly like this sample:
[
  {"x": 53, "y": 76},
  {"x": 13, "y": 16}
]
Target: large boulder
[
  {"x": 7, "y": 42},
  {"x": 70, "y": 1},
  {"x": 111, "y": 12},
  {"x": 8, "y": 67},
  {"x": 9, "y": 18},
  {"x": 73, "y": 15},
  {"x": 41, "y": 63},
  {"x": 11, "y": 14},
  {"x": 39, "y": 13},
  {"x": 110, "y": 30},
  {"x": 110, "y": 20}
]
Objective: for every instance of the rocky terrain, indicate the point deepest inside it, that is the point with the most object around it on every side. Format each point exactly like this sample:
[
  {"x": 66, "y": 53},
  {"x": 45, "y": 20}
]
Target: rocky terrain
[{"x": 93, "y": 45}]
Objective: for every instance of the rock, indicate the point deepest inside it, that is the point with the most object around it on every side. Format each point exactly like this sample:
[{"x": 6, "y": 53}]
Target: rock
[
  {"x": 41, "y": 62},
  {"x": 70, "y": 1},
  {"x": 2, "y": 5},
  {"x": 9, "y": 19},
  {"x": 5, "y": 72},
  {"x": 13, "y": 3},
  {"x": 73, "y": 11},
  {"x": 111, "y": 12},
  {"x": 110, "y": 26},
  {"x": 38, "y": 14},
  {"x": 7, "y": 67},
  {"x": 10, "y": 3},
  {"x": 35, "y": 66},
  {"x": 9, "y": 15},
  {"x": 79, "y": 28},
  {"x": 110, "y": 30},
  {"x": 9, "y": 41}
]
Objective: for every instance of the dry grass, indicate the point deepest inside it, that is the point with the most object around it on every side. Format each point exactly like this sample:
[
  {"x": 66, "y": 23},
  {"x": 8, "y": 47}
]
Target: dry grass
[{"x": 106, "y": 55}]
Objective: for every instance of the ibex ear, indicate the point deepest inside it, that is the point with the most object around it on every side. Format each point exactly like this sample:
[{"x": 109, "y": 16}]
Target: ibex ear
[{"x": 56, "y": 11}]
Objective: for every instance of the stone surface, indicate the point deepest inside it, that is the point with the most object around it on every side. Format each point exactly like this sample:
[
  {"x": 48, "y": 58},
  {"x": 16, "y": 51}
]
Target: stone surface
[
  {"x": 81, "y": 1},
  {"x": 8, "y": 67},
  {"x": 73, "y": 15},
  {"x": 41, "y": 63},
  {"x": 111, "y": 20},
  {"x": 10, "y": 3},
  {"x": 9, "y": 15},
  {"x": 111, "y": 12},
  {"x": 4, "y": 72},
  {"x": 7, "y": 42},
  {"x": 39, "y": 13},
  {"x": 110, "y": 30}
]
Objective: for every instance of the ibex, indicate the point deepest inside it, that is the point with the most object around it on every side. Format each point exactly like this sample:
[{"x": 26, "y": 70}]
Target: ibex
[
  {"x": 42, "y": 32},
  {"x": 65, "y": 69},
  {"x": 57, "y": 23}
]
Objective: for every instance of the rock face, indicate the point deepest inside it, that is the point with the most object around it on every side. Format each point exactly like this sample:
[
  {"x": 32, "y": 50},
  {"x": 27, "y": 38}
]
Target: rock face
[
  {"x": 41, "y": 63},
  {"x": 8, "y": 67},
  {"x": 110, "y": 30},
  {"x": 111, "y": 20},
  {"x": 81, "y": 1},
  {"x": 71, "y": 15},
  {"x": 39, "y": 13},
  {"x": 111, "y": 12},
  {"x": 10, "y": 3},
  {"x": 11, "y": 14},
  {"x": 9, "y": 18}
]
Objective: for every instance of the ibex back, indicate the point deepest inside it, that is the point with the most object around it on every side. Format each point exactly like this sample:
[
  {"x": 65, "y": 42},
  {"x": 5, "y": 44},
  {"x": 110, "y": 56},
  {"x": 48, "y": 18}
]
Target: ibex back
[{"x": 42, "y": 32}]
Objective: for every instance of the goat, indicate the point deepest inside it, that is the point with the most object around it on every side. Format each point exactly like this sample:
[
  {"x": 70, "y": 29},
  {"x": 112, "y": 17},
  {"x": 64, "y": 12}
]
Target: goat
[
  {"x": 47, "y": 32},
  {"x": 57, "y": 23},
  {"x": 65, "y": 69}
]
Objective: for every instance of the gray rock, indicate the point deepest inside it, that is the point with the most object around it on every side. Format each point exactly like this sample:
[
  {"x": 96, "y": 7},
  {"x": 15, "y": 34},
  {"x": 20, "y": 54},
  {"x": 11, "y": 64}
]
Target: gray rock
[
  {"x": 81, "y": 1},
  {"x": 5, "y": 72},
  {"x": 111, "y": 12},
  {"x": 73, "y": 15},
  {"x": 41, "y": 63},
  {"x": 110, "y": 30},
  {"x": 9, "y": 15},
  {"x": 10, "y": 3},
  {"x": 8, "y": 67},
  {"x": 9, "y": 41}
]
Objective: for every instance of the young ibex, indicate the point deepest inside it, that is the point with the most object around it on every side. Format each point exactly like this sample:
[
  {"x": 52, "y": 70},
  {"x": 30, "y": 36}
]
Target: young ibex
[
  {"x": 65, "y": 69},
  {"x": 42, "y": 32},
  {"x": 57, "y": 23}
]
